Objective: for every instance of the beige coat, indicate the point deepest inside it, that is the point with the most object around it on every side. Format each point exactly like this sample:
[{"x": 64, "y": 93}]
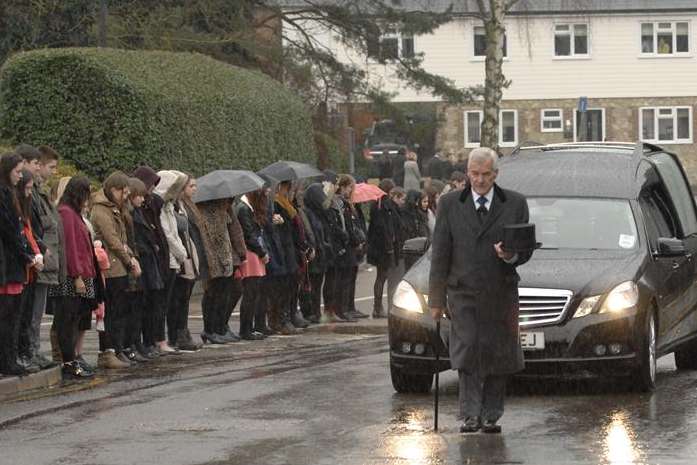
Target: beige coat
[{"x": 110, "y": 228}]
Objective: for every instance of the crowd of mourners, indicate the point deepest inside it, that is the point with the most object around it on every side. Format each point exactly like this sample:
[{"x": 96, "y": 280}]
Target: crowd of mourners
[{"x": 123, "y": 259}]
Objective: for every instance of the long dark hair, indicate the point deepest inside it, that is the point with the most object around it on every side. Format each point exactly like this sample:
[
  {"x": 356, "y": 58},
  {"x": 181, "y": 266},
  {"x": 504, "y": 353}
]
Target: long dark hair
[
  {"x": 76, "y": 193},
  {"x": 23, "y": 199},
  {"x": 8, "y": 162},
  {"x": 260, "y": 204}
]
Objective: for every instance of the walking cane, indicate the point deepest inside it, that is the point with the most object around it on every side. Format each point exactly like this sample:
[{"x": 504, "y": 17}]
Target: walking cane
[{"x": 435, "y": 394}]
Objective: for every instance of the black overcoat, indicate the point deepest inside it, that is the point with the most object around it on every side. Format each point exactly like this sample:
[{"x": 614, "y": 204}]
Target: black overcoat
[{"x": 479, "y": 289}]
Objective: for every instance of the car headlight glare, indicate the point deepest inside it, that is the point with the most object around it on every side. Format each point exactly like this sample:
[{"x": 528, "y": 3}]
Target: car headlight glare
[
  {"x": 622, "y": 297},
  {"x": 586, "y": 306},
  {"x": 405, "y": 297}
]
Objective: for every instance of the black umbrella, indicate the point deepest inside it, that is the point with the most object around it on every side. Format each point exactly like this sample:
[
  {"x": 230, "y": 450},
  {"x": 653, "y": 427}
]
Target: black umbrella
[
  {"x": 290, "y": 171},
  {"x": 226, "y": 184}
]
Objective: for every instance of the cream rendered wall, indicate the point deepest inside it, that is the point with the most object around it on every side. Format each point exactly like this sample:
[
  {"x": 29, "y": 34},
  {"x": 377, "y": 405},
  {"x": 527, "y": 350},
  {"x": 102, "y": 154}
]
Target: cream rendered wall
[{"x": 613, "y": 70}]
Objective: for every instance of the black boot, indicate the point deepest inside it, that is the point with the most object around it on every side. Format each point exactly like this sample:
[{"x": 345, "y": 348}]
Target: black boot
[
  {"x": 379, "y": 312},
  {"x": 185, "y": 342}
]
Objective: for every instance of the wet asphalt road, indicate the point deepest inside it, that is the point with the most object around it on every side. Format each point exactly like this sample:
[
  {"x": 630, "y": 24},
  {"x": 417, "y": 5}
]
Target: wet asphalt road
[{"x": 327, "y": 399}]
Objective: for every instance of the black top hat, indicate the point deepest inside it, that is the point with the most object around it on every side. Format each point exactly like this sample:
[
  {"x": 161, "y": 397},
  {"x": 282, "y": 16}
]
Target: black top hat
[{"x": 519, "y": 238}]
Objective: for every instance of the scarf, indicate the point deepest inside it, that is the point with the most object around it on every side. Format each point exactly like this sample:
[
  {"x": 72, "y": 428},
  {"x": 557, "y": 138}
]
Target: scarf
[{"x": 283, "y": 201}]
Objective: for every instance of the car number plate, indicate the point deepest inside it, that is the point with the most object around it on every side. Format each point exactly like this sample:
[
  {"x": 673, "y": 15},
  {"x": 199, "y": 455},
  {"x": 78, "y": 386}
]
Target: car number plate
[{"x": 532, "y": 341}]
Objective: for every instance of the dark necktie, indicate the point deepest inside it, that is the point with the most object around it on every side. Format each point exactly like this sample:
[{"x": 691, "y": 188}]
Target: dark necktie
[{"x": 482, "y": 210}]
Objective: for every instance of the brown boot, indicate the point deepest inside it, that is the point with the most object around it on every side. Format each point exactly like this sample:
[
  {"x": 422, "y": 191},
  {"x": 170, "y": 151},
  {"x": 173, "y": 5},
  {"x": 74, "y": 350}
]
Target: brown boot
[
  {"x": 109, "y": 361},
  {"x": 56, "y": 354}
]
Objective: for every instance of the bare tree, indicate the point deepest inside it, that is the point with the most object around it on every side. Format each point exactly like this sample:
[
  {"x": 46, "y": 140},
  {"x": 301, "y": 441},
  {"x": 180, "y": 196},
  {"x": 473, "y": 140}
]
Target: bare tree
[{"x": 492, "y": 13}]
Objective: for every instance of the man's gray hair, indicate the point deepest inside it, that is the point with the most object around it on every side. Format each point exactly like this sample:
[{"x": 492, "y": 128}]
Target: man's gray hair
[{"x": 482, "y": 154}]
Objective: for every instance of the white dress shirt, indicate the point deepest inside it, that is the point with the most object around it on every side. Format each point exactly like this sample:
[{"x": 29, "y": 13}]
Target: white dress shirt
[{"x": 490, "y": 198}]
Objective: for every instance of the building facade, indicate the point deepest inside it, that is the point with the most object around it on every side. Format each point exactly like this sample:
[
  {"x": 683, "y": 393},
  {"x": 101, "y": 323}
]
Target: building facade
[{"x": 631, "y": 65}]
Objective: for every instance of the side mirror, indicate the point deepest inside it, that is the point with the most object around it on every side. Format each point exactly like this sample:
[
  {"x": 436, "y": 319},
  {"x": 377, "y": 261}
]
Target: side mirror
[{"x": 670, "y": 247}]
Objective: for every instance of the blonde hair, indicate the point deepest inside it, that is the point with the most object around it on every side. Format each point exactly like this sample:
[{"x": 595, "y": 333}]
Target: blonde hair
[{"x": 58, "y": 189}]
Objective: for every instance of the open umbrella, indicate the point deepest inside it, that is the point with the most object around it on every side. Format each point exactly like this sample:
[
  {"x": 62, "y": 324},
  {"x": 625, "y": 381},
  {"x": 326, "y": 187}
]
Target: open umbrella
[
  {"x": 364, "y": 192},
  {"x": 290, "y": 171},
  {"x": 225, "y": 184}
]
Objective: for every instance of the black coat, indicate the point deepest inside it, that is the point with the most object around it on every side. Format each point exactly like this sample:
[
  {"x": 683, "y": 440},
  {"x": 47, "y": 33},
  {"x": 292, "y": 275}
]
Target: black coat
[
  {"x": 479, "y": 289},
  {"x": 288, "y": 236},
  {"x": 314, "y": 199},
  {"x": 15, "y": 253},
  {"x": 253, "y": 237},
  {"x": 152, "y": 209},
  {"x": 147, "y": 246},
  {"x": 385, "y": 234},
  {"x": 414, "y": 220}
]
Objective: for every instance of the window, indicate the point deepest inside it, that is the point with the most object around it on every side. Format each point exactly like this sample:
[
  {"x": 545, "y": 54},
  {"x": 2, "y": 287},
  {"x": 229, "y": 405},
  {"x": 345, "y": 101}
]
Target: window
[
  {"x": 473, "y": 128},
  {"x": 480, "y": 42},
  {"x": 666, "y": 124},
  {"x": 552, "y": 120},
  {"x": 570, "y": 40},
  {"x": 508, "y": 128},
  {"x": 676, "y": 184},
  {"x": 392, "y": 45},
  {"x": 665, "y": 38}
]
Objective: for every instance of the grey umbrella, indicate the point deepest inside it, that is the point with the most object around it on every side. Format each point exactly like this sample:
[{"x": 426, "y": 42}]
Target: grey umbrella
[
  {"x": 225, "y": 184},
  {"x": 290, "y": 170}
]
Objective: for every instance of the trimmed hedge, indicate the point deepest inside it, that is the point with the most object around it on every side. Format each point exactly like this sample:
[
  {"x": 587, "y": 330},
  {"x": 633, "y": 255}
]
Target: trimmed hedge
[{"x": 106, "y": 109}]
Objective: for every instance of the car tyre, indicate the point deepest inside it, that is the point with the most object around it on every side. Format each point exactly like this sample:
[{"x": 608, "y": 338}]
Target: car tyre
[
  {"x": 686, "y": 357},
  {"x": 644, "y": 378},
  {"x": 409, "y": 383}
]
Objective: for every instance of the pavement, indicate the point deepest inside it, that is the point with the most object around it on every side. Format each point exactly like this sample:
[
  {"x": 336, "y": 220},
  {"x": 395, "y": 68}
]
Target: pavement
[{"x": 50, "y": 380}]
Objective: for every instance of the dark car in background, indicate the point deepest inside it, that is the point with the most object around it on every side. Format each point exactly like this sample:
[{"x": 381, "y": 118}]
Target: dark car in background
[
  {"x": 384, "y": 148},
  {"x": 614, "y": 285}
]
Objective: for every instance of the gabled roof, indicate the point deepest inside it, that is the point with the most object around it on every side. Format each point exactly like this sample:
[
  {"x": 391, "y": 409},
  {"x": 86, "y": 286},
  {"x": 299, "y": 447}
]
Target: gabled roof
[{"x": 531, "y": 7}]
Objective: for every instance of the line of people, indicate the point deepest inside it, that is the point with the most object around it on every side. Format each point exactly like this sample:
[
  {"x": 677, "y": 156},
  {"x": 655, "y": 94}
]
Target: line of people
[{"x": 128, "y": 256}]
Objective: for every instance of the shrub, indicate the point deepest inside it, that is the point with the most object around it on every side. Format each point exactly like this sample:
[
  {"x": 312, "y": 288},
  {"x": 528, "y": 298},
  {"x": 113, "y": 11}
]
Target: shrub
[{"x": 106, "y": 109}]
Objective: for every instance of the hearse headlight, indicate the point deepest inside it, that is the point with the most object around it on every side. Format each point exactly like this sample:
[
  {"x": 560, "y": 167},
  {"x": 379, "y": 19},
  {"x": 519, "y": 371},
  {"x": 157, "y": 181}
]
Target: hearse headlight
[
  {"x": 405, "y": 297},
  {"x": 587, "y": 305},
  {"x": 622, "y": 297}
]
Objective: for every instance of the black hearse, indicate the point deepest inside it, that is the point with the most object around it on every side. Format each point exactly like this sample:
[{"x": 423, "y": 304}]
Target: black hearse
[{"x": 612, "y": 288}]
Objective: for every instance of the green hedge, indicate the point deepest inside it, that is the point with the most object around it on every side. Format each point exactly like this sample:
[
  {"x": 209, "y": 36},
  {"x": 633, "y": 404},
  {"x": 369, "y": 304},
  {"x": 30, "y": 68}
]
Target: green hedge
[{"x": 105, "y": 109}]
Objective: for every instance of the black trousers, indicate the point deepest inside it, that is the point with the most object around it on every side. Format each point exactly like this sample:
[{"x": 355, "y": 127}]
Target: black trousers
[
  {"x": 24, "y": 341},
  {"x": 379, "y": 286},
  {"x": 249, "y": 307},
  {"x": 9, "y": 330},
  {"x": 316, "y": 280},
  {"x": 178, "y": 307},
  {"x": 342, "y": 282},
  {"x": 226, "y": 312},
  {"x": 116, "y": 312},
  {"x": 134, "y": 324},
  {"x": 278, "y": 293},
  {"x": 154, "y": 316},
  {"x": 262, "y": 304},
  {"x": 351, "y": 289},
  {"x": 216, "y": 299},
  {"x": 68, "y": 312},
  {"x": 328, "y": 291}
]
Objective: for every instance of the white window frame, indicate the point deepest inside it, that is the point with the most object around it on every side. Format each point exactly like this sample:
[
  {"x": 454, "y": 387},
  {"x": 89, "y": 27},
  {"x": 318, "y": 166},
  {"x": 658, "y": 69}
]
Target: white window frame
[
  {"x": 470, "y": 145},
  {"x": 395, "y": 34},
  {"x": 544, "y": 118},
  {"x": 483, "y": 57},
  {"x": 573, "y": 55},
  {"x": 674, "y": 27},
  {"x": 481, "y": 116},
  {"x": 603, "y": 120},
  {"x": 656, "y": 117}
]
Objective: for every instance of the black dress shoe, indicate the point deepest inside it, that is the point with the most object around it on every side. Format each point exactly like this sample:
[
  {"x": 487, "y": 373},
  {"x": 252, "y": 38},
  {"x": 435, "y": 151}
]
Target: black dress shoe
[
  {"x": 74, "y": 370},
  {"x": 14, "y": 370},
  {"x": 253, "y": 336},
  {"x": 358, "y": 314},
  {"x": 490, "y": 426},
  {"x": 470, "y": 425}
]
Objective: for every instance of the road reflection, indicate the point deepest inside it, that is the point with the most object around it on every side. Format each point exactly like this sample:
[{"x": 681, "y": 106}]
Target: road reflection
[
  {"x": 620, "y": 446},
  {"x": 412, "y": 442}
]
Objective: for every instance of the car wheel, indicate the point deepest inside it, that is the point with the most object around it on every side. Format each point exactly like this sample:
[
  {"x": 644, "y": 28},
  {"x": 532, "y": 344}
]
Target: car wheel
[
  {"x": 405, "y": 383},
  {"x": 645, "y": 373},
  {"x": 686, "y": 357}
]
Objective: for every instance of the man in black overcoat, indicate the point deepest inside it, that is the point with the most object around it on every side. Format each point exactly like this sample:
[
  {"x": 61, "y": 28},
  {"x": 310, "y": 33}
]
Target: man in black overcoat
[{"x": 477, "y": 281}]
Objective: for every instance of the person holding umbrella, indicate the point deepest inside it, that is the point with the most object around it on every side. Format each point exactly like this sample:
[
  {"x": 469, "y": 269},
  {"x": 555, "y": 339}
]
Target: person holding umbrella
[{"x": 214, "y": 199}]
